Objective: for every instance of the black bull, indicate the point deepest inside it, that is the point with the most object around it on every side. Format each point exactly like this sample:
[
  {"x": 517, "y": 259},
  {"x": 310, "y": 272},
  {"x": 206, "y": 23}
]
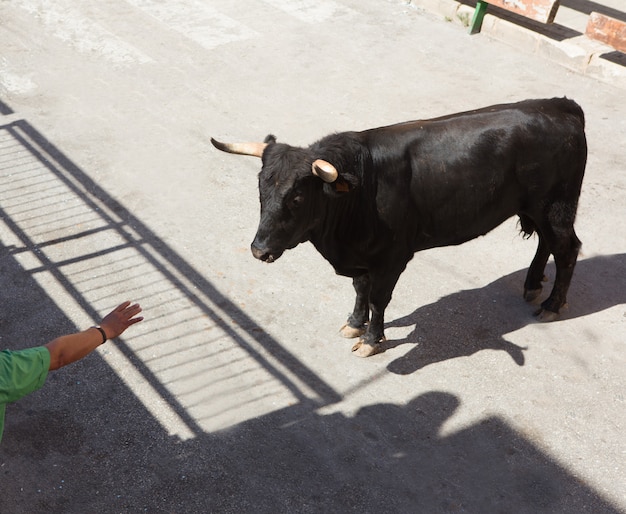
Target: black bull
[{"x": 369, "y": 200}]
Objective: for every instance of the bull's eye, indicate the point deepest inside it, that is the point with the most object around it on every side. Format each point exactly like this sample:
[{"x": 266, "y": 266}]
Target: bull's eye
[{"x": 295, "y": 202}]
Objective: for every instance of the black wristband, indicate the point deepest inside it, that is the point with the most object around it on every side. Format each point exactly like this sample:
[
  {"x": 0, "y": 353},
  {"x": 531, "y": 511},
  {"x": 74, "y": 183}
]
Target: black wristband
[{"x": 104, "y": 336}]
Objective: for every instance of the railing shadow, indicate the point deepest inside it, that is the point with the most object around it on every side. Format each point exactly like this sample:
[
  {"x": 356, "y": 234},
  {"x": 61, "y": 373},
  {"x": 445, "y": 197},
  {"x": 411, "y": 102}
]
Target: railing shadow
[
  {"x": 54, "y": 211},
  {"x": 466, "y": 322},
  {"x": 5, "y": 110}
]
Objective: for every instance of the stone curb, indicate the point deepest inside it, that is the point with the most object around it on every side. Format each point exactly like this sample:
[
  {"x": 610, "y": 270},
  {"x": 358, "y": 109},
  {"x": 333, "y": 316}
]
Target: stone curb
[{"x": 579, "y": 54}]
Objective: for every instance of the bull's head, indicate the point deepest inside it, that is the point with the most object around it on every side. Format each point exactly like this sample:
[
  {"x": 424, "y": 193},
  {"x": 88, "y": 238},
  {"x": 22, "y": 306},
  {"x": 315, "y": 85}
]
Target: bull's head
[{"x": 289, "y": 183}]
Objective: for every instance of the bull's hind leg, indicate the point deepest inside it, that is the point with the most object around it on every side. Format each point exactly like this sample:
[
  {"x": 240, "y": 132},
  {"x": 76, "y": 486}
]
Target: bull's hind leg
[
  {"x": 535, "y": 276},
  {"x": 564, "y": 245},
  {"x": 565, "y": 260},
  {"x": 357, "y": 321}
]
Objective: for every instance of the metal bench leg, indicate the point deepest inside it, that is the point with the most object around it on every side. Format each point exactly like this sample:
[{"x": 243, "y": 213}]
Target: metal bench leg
[{"x": 479, "y": 14}]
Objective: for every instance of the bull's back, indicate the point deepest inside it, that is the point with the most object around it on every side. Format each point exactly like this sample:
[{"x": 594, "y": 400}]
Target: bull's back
[{"x": 471, "y": 171}]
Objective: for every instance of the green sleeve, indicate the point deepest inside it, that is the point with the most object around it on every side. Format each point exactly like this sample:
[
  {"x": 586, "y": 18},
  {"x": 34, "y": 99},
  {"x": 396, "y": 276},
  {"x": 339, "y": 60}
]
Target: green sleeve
[{"x": 22, "y": 372}]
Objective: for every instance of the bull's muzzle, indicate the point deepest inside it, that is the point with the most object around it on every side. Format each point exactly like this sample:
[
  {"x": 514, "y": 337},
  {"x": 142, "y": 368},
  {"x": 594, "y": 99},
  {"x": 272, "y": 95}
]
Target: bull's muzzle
[{"x": 262, "y": 254}]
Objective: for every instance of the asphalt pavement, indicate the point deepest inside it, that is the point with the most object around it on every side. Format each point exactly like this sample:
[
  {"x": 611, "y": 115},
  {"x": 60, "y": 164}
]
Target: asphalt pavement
[{"x": 237, "y": 394}]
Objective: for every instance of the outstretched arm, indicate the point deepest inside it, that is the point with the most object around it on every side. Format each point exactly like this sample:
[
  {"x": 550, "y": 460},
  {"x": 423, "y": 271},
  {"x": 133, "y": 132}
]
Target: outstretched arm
[{"x": 67, "y": 349}]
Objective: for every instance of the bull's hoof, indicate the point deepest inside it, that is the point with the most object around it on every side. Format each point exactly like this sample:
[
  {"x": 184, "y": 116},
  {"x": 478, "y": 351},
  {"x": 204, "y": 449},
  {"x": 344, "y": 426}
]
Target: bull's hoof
[
  {"x": 546, "y": 316},
  {"x": 351, "y": 332},
  {"x": 363, "y": 349},
  {"x": 530, "y": 295}
]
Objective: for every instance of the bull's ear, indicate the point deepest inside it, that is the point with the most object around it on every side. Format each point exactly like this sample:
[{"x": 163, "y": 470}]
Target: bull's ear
[
  {"x": 336, "y": 184},
  {"x": 343, "y": 185}
]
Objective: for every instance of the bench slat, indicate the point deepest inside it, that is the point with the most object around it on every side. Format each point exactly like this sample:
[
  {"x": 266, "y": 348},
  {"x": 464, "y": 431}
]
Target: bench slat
[
  {"x": 543, "y": 11},
  {"x": 607, "y": 30}
]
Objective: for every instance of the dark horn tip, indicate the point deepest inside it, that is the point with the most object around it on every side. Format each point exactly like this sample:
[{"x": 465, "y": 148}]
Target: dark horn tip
[{"x": 217, "y": 144}]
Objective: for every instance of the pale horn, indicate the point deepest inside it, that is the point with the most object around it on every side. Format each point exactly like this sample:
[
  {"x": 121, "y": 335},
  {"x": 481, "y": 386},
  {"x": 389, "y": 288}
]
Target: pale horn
[
  {"x": 324, "y": 170},
  {"x": 254, "y": 149}
]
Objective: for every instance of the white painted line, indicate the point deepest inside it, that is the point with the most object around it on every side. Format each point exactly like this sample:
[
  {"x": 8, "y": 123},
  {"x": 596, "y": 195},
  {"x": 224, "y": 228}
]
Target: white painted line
[
  {"x": 85, "y": 35},
  {"x": 311, "y": 11},
  {"x": 197, "y": 21}
]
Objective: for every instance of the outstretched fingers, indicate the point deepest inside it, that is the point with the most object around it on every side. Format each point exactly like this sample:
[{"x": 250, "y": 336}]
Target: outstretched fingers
[{"x": 120, "y": 318}]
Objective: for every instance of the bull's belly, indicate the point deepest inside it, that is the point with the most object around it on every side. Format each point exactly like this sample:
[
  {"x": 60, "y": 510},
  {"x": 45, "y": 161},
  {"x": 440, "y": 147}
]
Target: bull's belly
[
  {"x": 459, "y": 230},
  {"x": 352, "y": 257}
]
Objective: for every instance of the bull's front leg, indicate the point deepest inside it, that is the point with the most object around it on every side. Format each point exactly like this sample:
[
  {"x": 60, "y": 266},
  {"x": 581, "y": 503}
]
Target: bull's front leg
[
  {"x": 358, "y": 320},
  {"x": 381, "y": 287}
]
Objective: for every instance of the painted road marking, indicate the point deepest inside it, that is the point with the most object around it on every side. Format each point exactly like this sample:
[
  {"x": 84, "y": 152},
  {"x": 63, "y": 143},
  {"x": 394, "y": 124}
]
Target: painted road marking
[
  {"x": 311, "y": 11},
  {"x": 197, "y": 21},
  {"x": 79, "y": 31}
]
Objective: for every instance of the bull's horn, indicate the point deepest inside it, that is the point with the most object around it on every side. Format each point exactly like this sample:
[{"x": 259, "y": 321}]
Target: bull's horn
[
  {"x": 254, "y": 149},
  {"x": 324, "y": 170}
]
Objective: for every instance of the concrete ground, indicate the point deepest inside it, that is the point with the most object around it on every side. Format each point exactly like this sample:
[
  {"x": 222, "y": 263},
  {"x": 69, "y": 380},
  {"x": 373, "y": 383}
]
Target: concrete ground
[{"x": 237, "y": 394}]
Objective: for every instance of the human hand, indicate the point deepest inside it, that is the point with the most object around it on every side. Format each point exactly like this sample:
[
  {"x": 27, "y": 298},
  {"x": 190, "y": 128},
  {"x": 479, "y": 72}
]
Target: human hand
[{"x": 120, "y": 318}]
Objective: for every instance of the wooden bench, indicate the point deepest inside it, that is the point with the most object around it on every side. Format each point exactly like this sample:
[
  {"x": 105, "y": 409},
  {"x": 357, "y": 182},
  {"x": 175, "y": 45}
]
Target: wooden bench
[
  {"x": 542, "y": 11},
  {"x": 607, "y": 30}
]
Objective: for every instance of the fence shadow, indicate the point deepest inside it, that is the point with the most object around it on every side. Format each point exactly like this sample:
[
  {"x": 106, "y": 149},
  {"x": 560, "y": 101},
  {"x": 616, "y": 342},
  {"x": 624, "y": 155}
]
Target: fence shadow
[
  {"x": 466, "y": 322},
  {"x": 5, "y": 110},
  {"x": 64, "y": 226}
]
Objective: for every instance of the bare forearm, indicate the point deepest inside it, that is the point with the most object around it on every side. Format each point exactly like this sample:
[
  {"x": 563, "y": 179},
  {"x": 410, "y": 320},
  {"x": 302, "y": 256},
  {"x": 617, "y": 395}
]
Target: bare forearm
[{"x": 69, "y": 348}]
